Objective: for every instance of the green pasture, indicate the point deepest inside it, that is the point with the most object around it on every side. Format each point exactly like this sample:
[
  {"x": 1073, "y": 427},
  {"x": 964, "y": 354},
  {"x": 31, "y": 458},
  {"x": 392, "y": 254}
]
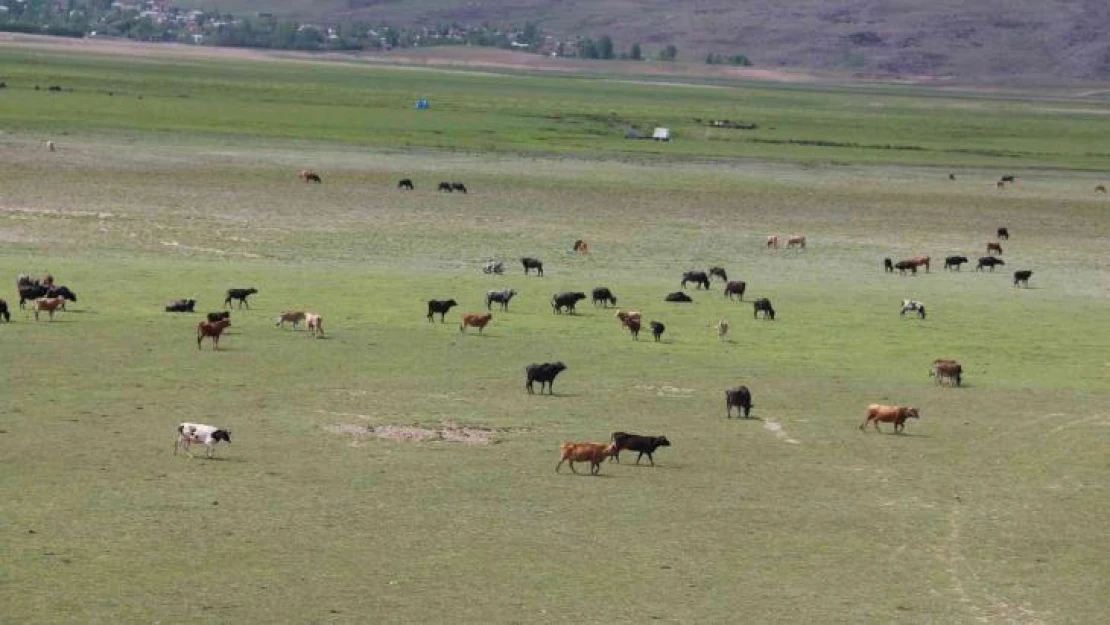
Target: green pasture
[{"x": 988, "y": 509}]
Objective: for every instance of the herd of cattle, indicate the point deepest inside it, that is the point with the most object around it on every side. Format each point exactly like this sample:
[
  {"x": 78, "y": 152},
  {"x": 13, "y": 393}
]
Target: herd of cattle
[{"x": 953, "y": 263}]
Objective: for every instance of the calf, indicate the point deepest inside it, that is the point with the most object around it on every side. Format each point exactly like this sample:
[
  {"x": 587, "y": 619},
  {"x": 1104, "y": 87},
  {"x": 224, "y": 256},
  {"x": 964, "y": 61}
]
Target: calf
[
  {"x": 290, "y": 316},
  {"x": 544, "y": 373},
  {"x": 213, "y": 317},
  {"x": 946, "y": 369},
  {"x": 739, "y": 398},
  {"x": 888, "y": 265},
  {"x": 889, "y": 414},
  {"x": 594, "y": 453},
  {"x": 603, "y": 296},
  {"x": 719, "y": 272},
  {"x": 736, "y": 288},
  {"x": 315, "y": 324},
  {"x": 988, "y": 261},
  {"x": 633, "y": 326},
  {"x": 1003, "y": 233},
  {"x": 532, "y": 263},
  {"x": 405, "y": 184},
  {"x": 181, "y": 305},
  {"x": 207, "y": 435},
  {"x": 501, "y": 297},
  {"x": 722, "y": 329},
  {"x": 994, "y": 246},
  {"x": 763, "y": 305},
  {"x": 494, "y": 267},
  {"x": 475, "y": 320},
  {"x": 4, "y": 314},
  {"x": 239, "y": 294},
  {"x": 567, "y": 300},
  {"x": 954, "y": 261},
  {"x": 700, "y": 278},
  {"x": 635, "y": 442},
  {"x": 657, "y": 330},
  {"x": 1022, "y": 277},
  {"x": 441, "y": 306},
  {"x": 912, "y": 305},
  {"x": 212, "y": 330},
  {"x": 49, "y": 305},
  {"x": 677, "y": 296}
]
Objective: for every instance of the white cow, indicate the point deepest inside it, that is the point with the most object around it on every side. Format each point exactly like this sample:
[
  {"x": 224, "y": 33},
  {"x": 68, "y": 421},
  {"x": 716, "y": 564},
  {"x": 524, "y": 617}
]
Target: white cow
[
  {"x": 207, "y": 435},
  {"x": 913, "y": 305}
]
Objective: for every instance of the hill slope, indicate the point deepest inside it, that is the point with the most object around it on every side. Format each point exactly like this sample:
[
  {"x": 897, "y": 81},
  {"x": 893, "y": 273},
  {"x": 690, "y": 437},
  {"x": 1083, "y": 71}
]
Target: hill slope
[{"x": 984, "y": 39}]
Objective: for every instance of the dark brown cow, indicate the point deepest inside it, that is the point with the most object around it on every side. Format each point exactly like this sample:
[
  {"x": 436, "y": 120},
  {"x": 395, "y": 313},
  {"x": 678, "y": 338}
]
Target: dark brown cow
[
  {"x": 994, "y": 246},
  {"x": 307, "y": 175},
  {"x": 889, "y": 414},
  {"x": 212, "y": 330},
  {"x": 581, "y": 247}
]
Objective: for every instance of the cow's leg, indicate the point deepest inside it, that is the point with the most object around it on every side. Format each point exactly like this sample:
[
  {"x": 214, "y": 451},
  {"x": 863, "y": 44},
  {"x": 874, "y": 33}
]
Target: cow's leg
[
  {"x": 559, "y": 465},
  {"x": 572, "y": 469},
  {"x": 650, "y": 459},
  {"x": 595, "y": 467},
  {"x": 863, "y": 425}
]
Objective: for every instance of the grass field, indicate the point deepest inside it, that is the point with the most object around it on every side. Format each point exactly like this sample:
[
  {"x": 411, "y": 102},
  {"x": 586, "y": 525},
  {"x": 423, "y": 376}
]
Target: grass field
[{"x": 988, "y": 510}]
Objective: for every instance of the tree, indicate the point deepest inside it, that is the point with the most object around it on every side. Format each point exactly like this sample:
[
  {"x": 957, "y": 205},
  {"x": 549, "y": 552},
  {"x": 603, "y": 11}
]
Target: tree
[
  {"x": 605, "y": 47},
  {"x": 668, "y": 53},
  {"x": 531, "y": 34},
  {"x": 739, "y": 59},
  {"x": 635, "y": 53}
]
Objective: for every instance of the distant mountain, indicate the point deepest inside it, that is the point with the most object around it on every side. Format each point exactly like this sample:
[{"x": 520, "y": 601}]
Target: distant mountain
[{"x": 968, "y": 39}]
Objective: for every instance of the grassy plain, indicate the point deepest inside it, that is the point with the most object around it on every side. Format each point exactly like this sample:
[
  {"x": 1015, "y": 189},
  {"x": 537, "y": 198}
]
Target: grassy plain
[{"x": 991, "y": 509}]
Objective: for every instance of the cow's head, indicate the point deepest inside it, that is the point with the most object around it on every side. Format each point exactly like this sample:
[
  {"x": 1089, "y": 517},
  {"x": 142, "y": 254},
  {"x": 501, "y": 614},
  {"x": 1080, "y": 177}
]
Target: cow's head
[
  {"x": 222, "y": 435},
  {"x": 661, "y": 441},
  {"x": 558, "y": 366},
  {"x": 910, "y": 412}
]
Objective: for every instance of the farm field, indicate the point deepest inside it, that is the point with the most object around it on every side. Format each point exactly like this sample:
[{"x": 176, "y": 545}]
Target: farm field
[{"x": 991, "y": 508}]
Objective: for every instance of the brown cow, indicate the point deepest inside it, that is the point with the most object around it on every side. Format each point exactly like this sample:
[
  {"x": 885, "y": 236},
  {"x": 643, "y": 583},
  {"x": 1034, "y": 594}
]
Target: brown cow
[
  {"x": 1101, "y": 188},
  {"x": 773, "y": 241},
  {"x": 49, "y": 304},
  {"x": 292, "y": 316},
  {"x": 994, "y": 246},
  {"x": 594, "y": 453},
  {"x": 946, "y": 369},
  {"x": 475, "y": 320},
  {"x": 307, "y": 175},
  {"x": 797, "y": 240},
  {"x": 581, "y": 247},
  {"x": 921, "y": 261},
  {"x": 212, "y": 330},
  {"x": 626, "y": 315},
  {"x": 633, "y": 325},
  {"x": 889, "y": 414}
]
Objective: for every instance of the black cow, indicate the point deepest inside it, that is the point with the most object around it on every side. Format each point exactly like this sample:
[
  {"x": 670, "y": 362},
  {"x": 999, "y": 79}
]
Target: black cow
[
  {"x": 33, "y": 291},
  {"x": 501, "y": 297},
  {"x": 213, "y": 317},
  {"x": 906, "y": 265},
  {"x": 441, "y": 306},
  {"x": 532, "y": 263},
  {"x": 1022, "y": 277},
  {"x": 719, "y": 272},
  {"x": 739, "y": 398},
  {"x": 635, "y": 442},
  {"x": 1003, "y": 233},
  {"x": 1006, "y": 178},
  {"x": 445, "y": 187},
  {"x": 566, "y": 299},
  {"x": 989, "y": 261},
  {"x": 888, "y": 265},
  {"x": 736, "y": 287},
  {"x": 602, "y": 295},
  {"x": 677, "y": 296},
  {"x": 239, "y": 294},
  {"x": 954, "y": 261},
  {"x": 763, "y": 304},
  {"x": 698, "y": 277},
  {"x": 7, "y": 316},
  {"x": 406, "y": 184},
  {"x": 544, "y": 373},
  {"x": 458, "y": 186},
  {"x": 657, "y": 330},
  {"x": 181, "y": 305},
  {"x": 951, "y": 176}
]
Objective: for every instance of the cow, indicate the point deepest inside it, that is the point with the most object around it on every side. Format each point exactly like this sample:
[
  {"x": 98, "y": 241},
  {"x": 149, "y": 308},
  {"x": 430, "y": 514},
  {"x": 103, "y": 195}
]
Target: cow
[
  {"x": 307, "y": 175},
  {"x": 445, "y": 187},
  {"x": 906, "y": 265},
  {"x": 567, "y": 300},
  {"x": 315, "y": 324},
  {"x": 603, "y": 296},
  {"x": 212, "y": 330},
  {"x": 889, "y": 414},
  {"x": 722, "y": 329},
  {"x": 4, "y": 314},
  {"x": 951, "y": 176},
  {"x": 735, "y": 288},
  {"x": 657, "y": 330},
  {"x": 501, "y": 297},
  {"x": 49, "y": 305},
  {"x": 946, "y": 369},
  {"x": 406, "y": 184},
  {"x": 1003, "y": 233},
  {"x": 739, "y": 398},
  {"x": 988, "y": 261},
  {"x": 888, "y": 265},
  {"x": 719, "y": 272},
  {"x": 626, "y": 316},
  {"x": 635, "y": 442},
  {"x": 1006, "y": 178},
  {"x": 239, "y": 294},
  {"x": 441, "y": 306},
  {"x": 581, "y": 247},
  {"x": 213, "y": 317},
  {"x": 50, "y": 145},
  {"x": 921, "y": 260},
  {"x": 1100, "y": 188},
  {"x": 493, "y": 267},
  {"x": 994, "y": 246},
  {"x": 544, "y": 373},
  {"x": 796, "y": 241},
  {"x": 594, "y": 453},
  {"x": 912, "y": 305},
  {"x": 698, "y": 277},
  {"x": 475, "y": 320},
  {"x": 532, "y": 263},
  {"x": 773, "y": 242},
  {"x": 292, "y": 316},
  {"x": 677, "y": 296},
  {"x": 1022, "y": 277},
  {"x": 763, "y": 305},
  {"x": 1000, "y": 185},
  {"x": 633, "y": 326},
  {"x": 181, "y": 305},
  {"x": 31, "y": 291},
  {"x": 458, "y": 186},
  {"x": 954, "y": 261},
  {"x": 207, "y": 435}
]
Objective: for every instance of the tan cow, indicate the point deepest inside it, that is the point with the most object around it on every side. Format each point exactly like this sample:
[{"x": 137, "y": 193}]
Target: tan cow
[
  {"x": 889, "y": 414},
  {"x": 773, "y": 241},
  {"x": 315, "y": 324},
  {"x": 292, "y": 316},
  {"x": 594, "y": 453},
  {"x": 796, "y": 241},
  {"x": 49, "y": 305},
  {"x": 722, "y": 329}
]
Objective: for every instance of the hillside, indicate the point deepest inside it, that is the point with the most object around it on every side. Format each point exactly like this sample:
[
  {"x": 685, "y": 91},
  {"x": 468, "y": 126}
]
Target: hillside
[{"x": 989, "y": 39}]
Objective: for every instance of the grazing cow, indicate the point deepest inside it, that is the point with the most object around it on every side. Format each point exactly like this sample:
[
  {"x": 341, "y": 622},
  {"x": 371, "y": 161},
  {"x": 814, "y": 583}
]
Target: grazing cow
[
  {"x": 501, "y": 297},
  {"x": 581, "y": 247},
  {"x": 763, "y": 305},
  {"x": 657, "y": 330},
  {"x": 544, "y": 373},
  {"x": 889, "y": 414},
  {"x": 719, "y": 272},
  {"x": 906, "y": 265},
  {"x": 954, "y": 261},
  {"x": 698, "y": 277},
  {"x": 532, "y": 263},
  {"x": 994, "y": 246},
  {"x": 677, "y": 296},
  {"x": 921, "y": 261},
  {"x": 1022, "y": 277},
  {"x": 739, "y": 398},
  {"x": 216, "y": 316},
  {"x": 458, "y": 186},
  {"x": 239, "y": 294},
  {"x": 49, "y": 305},
  {"x": 493, "y": 267},
  {"x": 441, "y": 306},
  {"x": 594, "y": 453},
  {"x": 1003, "y": 233},
  {"x": 951, "y": 176},
  {"x": 30, "y": 291},
  {"x": 988, "y": 261},
  {"x": 722, "y": 329},
  {"x": 888, "y": 265},
  {"x": 307, "y": 175},
  {"x": 796, "y": 241},
  {"x": 406, "y": 184},
  {"x": 207, "y": 435},
  {"x": 1007, "y": 178},
  {"x": 735, "y": 288},
  {"x": 642, "y": 444},
  {"x": 445, "y": 187},
  {"x": 912, "y": 305},
  {"x": 633, "y": 326},
  {"x": 212, "y": 330},
  {"x": 773, "y": 241},
  {"x": 315, "y": 324},
  {"x": 947, "y": 369},
  {"x": 566, "y": 299},
  {"x": 603, "y": 296},
  {"x": 291, "y": 316},
  {"x": 475, "y": 320},
  {"x": 1101, "y": 188},
  {"x": 181, "y": 305},
  {"x": 50, "y": 145},
  {"x": 4, "y": 314}
]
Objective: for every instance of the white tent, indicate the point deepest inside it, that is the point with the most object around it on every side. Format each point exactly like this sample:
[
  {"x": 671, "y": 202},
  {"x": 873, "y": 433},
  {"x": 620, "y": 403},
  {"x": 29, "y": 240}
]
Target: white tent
[{"x": 661, "y": 134}]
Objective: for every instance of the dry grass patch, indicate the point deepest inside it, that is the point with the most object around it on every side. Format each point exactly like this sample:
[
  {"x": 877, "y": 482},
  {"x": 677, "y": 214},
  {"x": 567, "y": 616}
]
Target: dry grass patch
[{"x": 448, "y": 432}]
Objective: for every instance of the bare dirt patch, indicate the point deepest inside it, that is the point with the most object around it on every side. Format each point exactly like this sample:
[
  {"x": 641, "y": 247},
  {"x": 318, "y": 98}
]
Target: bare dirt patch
[
  {"x": 446, "y": 432},
  {"x": 776, "y": 428}
]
